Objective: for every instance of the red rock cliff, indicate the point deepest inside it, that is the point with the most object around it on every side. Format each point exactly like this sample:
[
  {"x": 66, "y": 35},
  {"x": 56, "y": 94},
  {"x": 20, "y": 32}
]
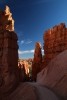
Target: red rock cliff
[{"x": 55, "y": 41}]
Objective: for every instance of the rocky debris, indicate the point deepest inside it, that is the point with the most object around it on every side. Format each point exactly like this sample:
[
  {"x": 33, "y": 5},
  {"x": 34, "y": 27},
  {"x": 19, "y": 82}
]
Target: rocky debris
[
  {"x": 31, "y": 91},
  {"x": 55, "y": 41},
  {"x": 6, "y": 20},
  {"x": 54, "y": 75},
  {"x": 8, "y": 53},
  {"x": 37, "y": 60}
]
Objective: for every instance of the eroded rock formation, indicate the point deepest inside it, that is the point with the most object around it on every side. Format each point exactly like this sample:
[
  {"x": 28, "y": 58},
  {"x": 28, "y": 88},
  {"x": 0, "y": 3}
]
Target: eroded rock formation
[
  {"x": 37, "y": 60},
  {"x": 6, "y": 20},
  {"x": 54, "y": 76},
  {"x": 55, "y": 41},
  {"x": 8, "y": 52},
  {"x": 22, "y": 72}
]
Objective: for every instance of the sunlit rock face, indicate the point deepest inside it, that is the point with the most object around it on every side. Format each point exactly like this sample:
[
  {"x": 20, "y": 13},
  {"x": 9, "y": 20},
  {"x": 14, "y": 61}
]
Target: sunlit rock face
[
  {"x": 37, "y": 60},
  {"x": 8, "y": 52},
  {"x": 37, "y": 53},
  {"x": 54, "y": 75},
  {"x": 6, "y": 20},
  {"x": 55, "y": 41}
]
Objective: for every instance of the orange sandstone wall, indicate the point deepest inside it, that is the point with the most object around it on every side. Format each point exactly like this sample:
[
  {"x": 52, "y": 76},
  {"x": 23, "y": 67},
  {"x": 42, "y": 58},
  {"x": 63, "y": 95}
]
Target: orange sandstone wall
[{"x": 55, "y": 41}]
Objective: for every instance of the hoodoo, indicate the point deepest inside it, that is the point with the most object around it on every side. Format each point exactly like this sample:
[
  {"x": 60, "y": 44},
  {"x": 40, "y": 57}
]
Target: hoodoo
[
  {"x": 37, "y": 60},
  {"x": 8, "y": 52}
]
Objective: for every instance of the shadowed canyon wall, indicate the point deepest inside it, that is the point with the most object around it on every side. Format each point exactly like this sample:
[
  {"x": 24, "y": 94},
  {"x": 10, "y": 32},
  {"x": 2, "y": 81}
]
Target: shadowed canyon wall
[{"x": 8, "y": 52}]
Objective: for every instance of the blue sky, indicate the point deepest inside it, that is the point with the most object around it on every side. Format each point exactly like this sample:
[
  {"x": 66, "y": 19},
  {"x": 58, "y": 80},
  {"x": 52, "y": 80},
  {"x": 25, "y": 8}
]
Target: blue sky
[{"x": 33, "y": 18}]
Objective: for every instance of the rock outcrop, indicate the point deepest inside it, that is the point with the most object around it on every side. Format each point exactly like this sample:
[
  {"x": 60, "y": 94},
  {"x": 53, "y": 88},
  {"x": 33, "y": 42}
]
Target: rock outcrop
[
  {"x": 8, "y": 52},
  {"x": 55, "y": 41},
  {"x": 6, "y": 20},
  {"x": 37, "y": 60},
  {"x": 22, "y": 72},
  {"x": 54, "y": 75}
]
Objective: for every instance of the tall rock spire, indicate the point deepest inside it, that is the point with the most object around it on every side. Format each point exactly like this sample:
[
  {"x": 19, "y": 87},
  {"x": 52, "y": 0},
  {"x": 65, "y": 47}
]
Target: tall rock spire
[
  {"x": 37, "y": 53},
  {"x": 37, "y": 60},
  {"x": 9, "y": 76}
]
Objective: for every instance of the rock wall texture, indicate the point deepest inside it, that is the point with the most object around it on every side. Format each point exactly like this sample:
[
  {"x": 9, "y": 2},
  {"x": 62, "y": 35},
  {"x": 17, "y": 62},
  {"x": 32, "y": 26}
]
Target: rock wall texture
[
  {"x": 55, "y": 41},
  {"x": 37, "y": 60},
  {"x": 8, "y": 53},
  {"x": 54, "y": 75}
]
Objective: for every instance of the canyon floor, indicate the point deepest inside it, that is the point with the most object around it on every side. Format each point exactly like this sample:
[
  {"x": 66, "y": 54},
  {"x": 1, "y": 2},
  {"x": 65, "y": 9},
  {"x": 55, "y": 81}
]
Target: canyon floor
[{"x": 32, "y": 91}]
